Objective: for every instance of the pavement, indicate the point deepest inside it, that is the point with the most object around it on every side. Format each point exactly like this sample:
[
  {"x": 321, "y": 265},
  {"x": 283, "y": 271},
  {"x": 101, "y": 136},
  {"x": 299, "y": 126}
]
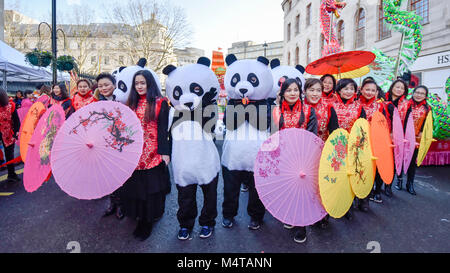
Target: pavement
[{"x": 50, "y": 221}]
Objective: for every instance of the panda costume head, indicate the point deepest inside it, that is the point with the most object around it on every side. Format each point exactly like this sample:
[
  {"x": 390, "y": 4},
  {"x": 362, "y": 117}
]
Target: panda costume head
[
  {"x": 124, "y": 79},
  {"x": 192, "y": 85},
  {"x": 251, "y": 79},
  {"x": 281, "y": 73}
]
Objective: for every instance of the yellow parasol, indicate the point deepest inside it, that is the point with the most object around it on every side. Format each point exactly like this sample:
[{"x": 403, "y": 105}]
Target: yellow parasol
[
  {"x": 426, "y": 139},
  {"x": 360, "y": 159},
  {"x": 334, "y": 185},
  {"x": 358, "y": 73}
]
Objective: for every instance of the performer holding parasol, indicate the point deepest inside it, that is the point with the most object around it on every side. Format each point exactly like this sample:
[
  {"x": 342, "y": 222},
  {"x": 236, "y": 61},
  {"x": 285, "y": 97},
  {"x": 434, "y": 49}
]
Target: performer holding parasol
[
  {"x": 84, "y": 95},
  {"x": 293, "y": 113},
  {"x": 348, "y": 110},
  {"x": 60, "y": 96},
  {"x": 418, "y": 108},
  {"x": 143, "y": 194}
]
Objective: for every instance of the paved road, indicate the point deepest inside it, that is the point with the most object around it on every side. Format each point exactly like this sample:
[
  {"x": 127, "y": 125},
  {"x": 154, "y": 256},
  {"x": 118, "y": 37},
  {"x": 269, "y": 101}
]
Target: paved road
[{"x": 48, "y": 219}]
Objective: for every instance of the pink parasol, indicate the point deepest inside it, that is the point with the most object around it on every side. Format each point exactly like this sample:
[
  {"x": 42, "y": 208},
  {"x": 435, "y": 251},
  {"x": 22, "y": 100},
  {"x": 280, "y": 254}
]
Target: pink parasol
[
  {"x": 286, "y": 177},
  {"x": 410, "y": 144},
  {"x": 96, "y": 150},
  {"x": 45, "y": 99},
  {"x": 398, "y": 139},
  {"x": 37, "y": 164},
  {"x": 23, "y": 110}
]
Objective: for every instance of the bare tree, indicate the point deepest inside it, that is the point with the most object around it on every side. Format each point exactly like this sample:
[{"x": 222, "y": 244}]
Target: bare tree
[{"x": 150, "y": 29}]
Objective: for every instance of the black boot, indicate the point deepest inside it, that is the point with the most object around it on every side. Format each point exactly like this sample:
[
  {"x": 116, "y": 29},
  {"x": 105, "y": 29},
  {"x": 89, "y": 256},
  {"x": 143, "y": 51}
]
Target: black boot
[
  {"x": 111, "y": 209},
  {"x": 388, "y": 190},
  {"x": 349, "y": 215},
  {"x": 398, "y": 186},
  {"x": 410, "y": 188},
  {"x": 145, "y": 232},
  {"x": 138, "y": 230},
  {"x": 364, "y": 204},
  {"x": 119, "y": 213}
]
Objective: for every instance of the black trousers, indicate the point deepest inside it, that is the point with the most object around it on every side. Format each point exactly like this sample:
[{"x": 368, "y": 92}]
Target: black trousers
[
  {"x": 232, "y": 187},
  {"x": 9, "y": 155},
  {"x": 411, "y": 173},
  {"x": 187, "y": 205},
  {"x": 378, "y": 183}
]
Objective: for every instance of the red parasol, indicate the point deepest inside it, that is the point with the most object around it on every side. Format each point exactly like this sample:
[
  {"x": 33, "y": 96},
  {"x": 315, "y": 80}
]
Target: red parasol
[{"x": 340, "y": 62}]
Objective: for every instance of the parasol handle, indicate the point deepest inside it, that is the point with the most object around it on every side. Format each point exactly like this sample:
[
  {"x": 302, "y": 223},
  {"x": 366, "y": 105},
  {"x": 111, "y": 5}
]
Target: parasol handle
[
  {"x": 393, "y": 146},
  {"x": 433, "y": 140},
  {"x": 90, "y": 146},
  {"x": 31, "y": 144},
  {"x": 374, "y": 158}
]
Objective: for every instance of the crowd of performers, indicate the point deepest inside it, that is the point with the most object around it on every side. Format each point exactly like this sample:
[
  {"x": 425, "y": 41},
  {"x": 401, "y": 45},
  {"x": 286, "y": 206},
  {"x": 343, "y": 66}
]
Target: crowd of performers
[{"x": 321, "y": 106}]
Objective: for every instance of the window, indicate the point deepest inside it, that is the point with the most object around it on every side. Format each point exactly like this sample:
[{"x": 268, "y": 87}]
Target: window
[
  {"x": 360, "y": 28},
  {"x": 308, "y": 52},
  {"x": 297, "y": 24},
  {"x": 93, "y": 46},
  {"x": 93, "y": 59},
  {"x": 322, "y": 44},
  {"x": 106, "y": 60},
  {"x": 422, "y": 9},
  {"x": 383, "y": 30},
  {"x": 308, "y": 15},
  {"x": 340, "y": 33},
  {"x": 289, "y": 58},
  {"x": 289, "y": 32},
  {"x": 297, "y": 56}
]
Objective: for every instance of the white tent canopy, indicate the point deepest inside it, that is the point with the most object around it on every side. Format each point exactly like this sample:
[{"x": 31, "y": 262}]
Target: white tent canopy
[{"x": 14, "y": 68}]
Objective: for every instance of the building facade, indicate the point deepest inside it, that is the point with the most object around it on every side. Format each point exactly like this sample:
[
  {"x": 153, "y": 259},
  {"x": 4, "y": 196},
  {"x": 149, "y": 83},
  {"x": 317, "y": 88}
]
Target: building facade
[
  {"x": 361, "y": 27},
  {"x": 250, "y": 50},
  {"x": 96, "y": 47},
  {"x": 188, "y": 55}
]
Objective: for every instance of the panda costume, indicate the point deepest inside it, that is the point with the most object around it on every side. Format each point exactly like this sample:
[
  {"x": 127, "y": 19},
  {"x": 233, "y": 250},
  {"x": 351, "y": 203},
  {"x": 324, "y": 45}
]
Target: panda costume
[
  {"x": 124, "y": 79},
  {"x": 192, "y": 90},
  {"x": 248, "y": 84},
  {"x": 282, "y": 72}
]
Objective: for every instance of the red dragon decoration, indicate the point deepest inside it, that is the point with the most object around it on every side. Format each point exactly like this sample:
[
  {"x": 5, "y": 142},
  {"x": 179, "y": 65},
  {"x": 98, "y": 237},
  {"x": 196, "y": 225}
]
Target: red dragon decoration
[{"x": 328, "y": 8}]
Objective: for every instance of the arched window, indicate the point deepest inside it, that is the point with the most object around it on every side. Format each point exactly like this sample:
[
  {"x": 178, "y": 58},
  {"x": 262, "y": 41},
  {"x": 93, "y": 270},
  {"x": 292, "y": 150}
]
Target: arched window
[
  {"x": 289, "y": 58},
  {"x": 297, "y": 56},
  {"x": 422, "y": 9},
  {"x": 340, "y": 32},
  {"x": 308, "y": 52},
  {"x": 383, "y": 30},
  {"x": 360, "y": 35}
]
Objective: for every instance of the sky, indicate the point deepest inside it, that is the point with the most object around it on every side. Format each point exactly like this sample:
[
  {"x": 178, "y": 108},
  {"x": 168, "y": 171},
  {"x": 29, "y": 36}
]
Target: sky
[{"x": 215, "y": 23}]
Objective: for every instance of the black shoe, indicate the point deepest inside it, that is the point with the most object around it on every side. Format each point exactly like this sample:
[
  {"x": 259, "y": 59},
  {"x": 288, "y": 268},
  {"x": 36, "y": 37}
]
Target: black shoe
[
  {"x": 227, "y": 222},
  {"x": 349, "y": 215},
  {"x": 300, "y": 235},
  {"x": 119, "y": 213},
  {"x": 254, "y": 225},
  {"x": 388, "y": 190},
  {"x": 145, "y": 232},
  {"x": 13, "y": 178},
  {"x": 111, "y": 210},
  {"x": 138, "y": 230},
  {"x": 398, "y": 186},
  {"x": 363, "y": 205},
  {"x": 410, "y": 188}
]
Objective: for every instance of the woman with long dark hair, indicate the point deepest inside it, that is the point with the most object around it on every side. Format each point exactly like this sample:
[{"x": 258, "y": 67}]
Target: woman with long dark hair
[
  {"x": 143, "y": 194},
  {"x": 9, "y": 127},
  {"x": 329, "y": 87},
  {"x": 349, "y": 109},
  {"x": 60, "y": 96},
  {"x": 419, "y": 109},
  {"x": 293, "y": 113},
  {"x": 396, "y": 96}
]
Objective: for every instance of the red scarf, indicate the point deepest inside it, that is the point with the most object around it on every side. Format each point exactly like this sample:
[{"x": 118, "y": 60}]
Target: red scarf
[
  {"x": 370, "y": 107},
  {"x": 80, "y": 100},
  {"x": 329, "y": 98},
  {"x": 323, "y": 113},
  {"x": 347, "y": 113},
  {"x": 419, "y": 112}
]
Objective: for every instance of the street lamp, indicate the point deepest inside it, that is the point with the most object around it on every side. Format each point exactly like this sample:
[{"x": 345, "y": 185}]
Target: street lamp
[
  {"x": 54, "y": 44},
  {"x": 265, "y": 48}
]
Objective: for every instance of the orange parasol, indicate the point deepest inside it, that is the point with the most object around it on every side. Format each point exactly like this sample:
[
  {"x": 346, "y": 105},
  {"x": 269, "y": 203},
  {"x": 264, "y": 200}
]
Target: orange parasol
[
  {"x": 28, "y": 126},
  {"x": 340, "y": 63},
  {"x": 382, "y": 147}
]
